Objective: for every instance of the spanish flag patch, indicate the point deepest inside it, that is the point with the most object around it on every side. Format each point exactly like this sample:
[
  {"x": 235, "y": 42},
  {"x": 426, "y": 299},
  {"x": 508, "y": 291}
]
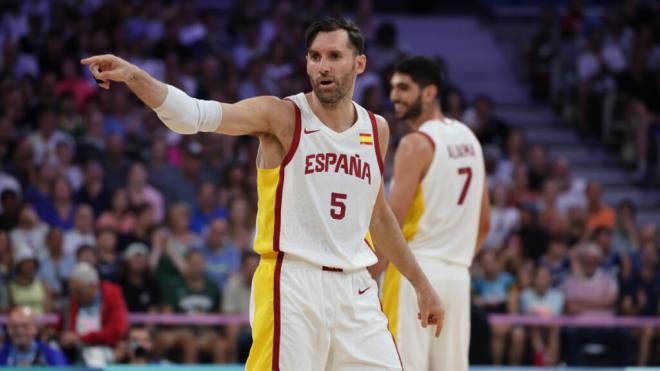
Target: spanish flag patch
[{"x": 366, "y": 138}]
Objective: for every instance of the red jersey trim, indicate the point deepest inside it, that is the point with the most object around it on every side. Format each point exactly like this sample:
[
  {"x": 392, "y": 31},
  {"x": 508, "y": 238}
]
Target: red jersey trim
[{"x": 374, "y": 128}]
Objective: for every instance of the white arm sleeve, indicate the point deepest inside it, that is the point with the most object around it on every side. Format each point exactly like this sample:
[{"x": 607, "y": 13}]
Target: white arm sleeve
[{"x": 186, "y": 115}]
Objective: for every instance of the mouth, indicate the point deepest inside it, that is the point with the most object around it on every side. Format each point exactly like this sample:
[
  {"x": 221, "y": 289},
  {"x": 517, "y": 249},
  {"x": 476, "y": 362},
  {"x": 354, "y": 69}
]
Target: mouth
[{"x": 326, "y": 83}]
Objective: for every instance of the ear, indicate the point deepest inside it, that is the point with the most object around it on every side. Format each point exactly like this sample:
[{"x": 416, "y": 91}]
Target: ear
[
  {"x": 361, "y": 63},
  {"x": 430, "y": 93}
]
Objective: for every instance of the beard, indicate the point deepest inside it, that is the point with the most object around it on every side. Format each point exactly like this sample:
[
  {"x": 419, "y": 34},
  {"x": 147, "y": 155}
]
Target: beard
[
  {"x": 413, "y": 111},
  {"x": 330, "y": 97}
]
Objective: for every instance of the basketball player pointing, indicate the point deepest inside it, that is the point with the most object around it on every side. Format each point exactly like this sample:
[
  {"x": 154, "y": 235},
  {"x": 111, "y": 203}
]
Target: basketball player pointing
[
  {"x": 314, "y": 306},
  {"x": 439, "y": 197}
]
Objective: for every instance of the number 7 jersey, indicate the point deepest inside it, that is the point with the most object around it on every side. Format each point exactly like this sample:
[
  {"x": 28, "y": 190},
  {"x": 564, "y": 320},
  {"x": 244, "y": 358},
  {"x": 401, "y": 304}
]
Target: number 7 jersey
[
  {"x": 443, "y": 218},
  {"x": 317, "y": 204}
]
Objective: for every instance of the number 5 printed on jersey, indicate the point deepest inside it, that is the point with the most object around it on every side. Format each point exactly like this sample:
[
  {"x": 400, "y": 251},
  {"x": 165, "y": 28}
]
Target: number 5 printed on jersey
[{"x": 338, "y": 210}]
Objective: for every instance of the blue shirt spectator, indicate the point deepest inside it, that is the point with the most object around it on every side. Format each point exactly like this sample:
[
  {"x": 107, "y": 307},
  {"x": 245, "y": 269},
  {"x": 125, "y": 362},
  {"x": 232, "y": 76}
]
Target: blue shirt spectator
[
  {"x": 206, "y": 209},
  {"x": 222, "y": 257},
  {"x": 22, "y": 349}
]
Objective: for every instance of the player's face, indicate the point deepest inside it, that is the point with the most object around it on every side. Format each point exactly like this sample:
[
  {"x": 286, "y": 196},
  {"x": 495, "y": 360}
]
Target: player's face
[
  {"x": 406, "y": 97},
  {"x": 332, "y": 66}
]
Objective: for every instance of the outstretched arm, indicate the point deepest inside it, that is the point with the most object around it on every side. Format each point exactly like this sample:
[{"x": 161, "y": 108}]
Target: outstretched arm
[{"x": 182, "y": 113}]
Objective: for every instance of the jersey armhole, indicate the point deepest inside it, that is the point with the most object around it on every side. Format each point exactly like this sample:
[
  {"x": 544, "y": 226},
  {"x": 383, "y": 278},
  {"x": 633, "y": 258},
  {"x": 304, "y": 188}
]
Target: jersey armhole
[
  {"x": 374, "y": 129},
  {"x": 296, "y": 134}
]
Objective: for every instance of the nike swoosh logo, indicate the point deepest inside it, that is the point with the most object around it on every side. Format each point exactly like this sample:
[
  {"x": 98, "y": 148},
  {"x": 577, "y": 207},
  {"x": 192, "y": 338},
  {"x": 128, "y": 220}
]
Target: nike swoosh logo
[
  {"x": 311, "y": 131},
  {"x": 360, "y": 292}
]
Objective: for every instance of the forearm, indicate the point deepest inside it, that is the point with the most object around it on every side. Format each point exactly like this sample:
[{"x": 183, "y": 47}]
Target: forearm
[
  {"x": 150, "y": 91},
  {"x": 389, "y": 240}
]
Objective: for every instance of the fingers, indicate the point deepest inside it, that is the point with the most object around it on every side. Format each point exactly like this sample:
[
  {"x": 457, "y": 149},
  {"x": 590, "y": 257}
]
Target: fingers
[
  {"x": 440, "y": 321},
  {"x": 98, "y": 59},
  {"x": 425, "y": 317}
]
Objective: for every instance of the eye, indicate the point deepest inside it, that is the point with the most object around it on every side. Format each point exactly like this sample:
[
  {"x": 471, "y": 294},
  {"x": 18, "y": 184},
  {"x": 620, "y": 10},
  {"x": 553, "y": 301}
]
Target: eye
[{"x": 335, "y": 56}]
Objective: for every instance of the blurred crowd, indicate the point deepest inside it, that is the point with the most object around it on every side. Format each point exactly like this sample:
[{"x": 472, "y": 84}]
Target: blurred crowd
[
  {"x": 603, "y": 74},
  {"x": 105, "y": 212}
]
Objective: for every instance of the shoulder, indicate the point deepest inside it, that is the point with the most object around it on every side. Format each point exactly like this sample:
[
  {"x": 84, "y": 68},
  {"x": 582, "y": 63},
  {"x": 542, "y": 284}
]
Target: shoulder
[{"x": 416, "y": 143}]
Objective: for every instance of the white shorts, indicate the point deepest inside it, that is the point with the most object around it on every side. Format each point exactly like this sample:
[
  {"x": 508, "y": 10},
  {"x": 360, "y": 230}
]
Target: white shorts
[
  {"x": 308, "y": 318},
  {"x": 419, "y": 348}
]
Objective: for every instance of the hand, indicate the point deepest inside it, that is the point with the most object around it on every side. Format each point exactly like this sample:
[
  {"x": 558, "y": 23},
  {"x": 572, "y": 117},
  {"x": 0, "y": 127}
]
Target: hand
[
  {"x": 108, "y": 67},
  {"x": 431, "y": 310},
  {"x": 68, "y": 338}
]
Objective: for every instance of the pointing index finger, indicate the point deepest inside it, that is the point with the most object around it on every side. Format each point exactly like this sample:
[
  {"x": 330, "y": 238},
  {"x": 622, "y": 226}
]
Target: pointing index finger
[{"x": 92, "y": 59}]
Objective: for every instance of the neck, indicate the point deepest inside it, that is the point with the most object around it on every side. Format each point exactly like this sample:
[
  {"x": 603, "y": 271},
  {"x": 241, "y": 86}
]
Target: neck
[
  {"x": 433, "y": 114},
  {"x": 338, "y": 116}
]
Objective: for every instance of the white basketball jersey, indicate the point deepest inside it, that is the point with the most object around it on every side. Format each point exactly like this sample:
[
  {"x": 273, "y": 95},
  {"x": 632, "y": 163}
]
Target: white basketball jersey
[
  {"x": 443, "y": 219},
  {"x": 326, "y": 189}
]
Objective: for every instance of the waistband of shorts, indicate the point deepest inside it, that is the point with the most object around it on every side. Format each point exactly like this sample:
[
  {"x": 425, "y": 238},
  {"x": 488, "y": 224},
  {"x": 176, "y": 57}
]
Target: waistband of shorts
[{"x": 295, "y": 261}]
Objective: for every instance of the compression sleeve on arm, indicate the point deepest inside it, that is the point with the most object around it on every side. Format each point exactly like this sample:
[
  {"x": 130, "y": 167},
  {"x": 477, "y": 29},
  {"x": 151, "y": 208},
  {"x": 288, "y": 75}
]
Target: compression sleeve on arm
[{"x": 184, "y": 114}]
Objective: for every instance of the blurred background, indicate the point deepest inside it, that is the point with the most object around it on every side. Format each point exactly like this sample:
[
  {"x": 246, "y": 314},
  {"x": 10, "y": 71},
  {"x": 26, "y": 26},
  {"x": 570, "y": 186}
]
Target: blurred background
[{"x": 564, "y": 96}]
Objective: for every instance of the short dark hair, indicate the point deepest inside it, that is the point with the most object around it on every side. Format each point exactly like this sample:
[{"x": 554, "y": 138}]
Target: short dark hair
[
  {"x": 355, "y": 36},
  {"x": 422, "y": 70}
]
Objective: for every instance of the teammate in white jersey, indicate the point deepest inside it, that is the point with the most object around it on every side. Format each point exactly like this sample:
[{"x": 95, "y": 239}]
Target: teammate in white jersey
[
  {"x": 439, "y": 197},
  {"x": 314, "y": 306}
]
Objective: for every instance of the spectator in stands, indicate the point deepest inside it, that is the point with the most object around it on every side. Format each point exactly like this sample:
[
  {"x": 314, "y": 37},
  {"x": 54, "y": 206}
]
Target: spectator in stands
[
  {"x": 10, "y": 207},
  {"x": 22, "y": 348},
  {"x": 503, "y": 218},
  {"x": 192, "y": 294},
  {"x": 533, "y": 235},
  {"x": 616, "y": 265},
  {"x": 550, "y": 216},
  {"x": 6, "y": 257},
  {"x": 520, "y": 192},
  {"x": 93, "y": 191},
  {"x": 26, "y": 288},
  {"x": 489, "y": 128},
  {"x": 556, "y": 261},
  {"x": 590, "y": 292},
  {"x": 543, "y": 300},
  {"x": 495, "y": 292},
  {"x": 116, "y": 164},
  {"x": 44, "y": 141},
  {"x": 162, "y": 174},
  {"x": 236, "y": 300},
  {"x": 641, "y": 297},
  {"x": 624, "y": 236},
  {"x": 640, "y": 96},
  {"x": 60, "y": 210},
  {"x": 598, "y": 67},
  {"x": 171, "y": 245},
  {"x": 539, "y": 169},
  {"x": 241, "y": 223},
  {"x": 453, "y": 103},
  {"x": 221, "y": 256},
  {"x": 109, "y": 262},
  {"x": 145, "y": 224},
  {"x": 138, "y": 348},
  {"x": 65, "y": 165},
  {"x": 119, "y": 215},
  {"x": 87, "y": 254},
  {"x": 576, "y": 225},
  {"x": 140, "y": 191},
  {"x": 541, "y": 53},
  {"x": 82, "y": 231},
  {"x": 598, "y": 213},
  {"x": 96, "y": 319},
  {"x": 571, "y": 189},
  {"x": 55, "y": 266},
  {"x": 141, "y": 291},
  {"x": 206, "y": 209},
  {"x": 30, "y": 231},
  {"x": 39, "y": 190}
]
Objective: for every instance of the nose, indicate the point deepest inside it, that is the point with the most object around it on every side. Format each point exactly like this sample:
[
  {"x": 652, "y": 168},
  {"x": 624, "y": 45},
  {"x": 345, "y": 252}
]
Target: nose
[{"x": 324, "y": 66}]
